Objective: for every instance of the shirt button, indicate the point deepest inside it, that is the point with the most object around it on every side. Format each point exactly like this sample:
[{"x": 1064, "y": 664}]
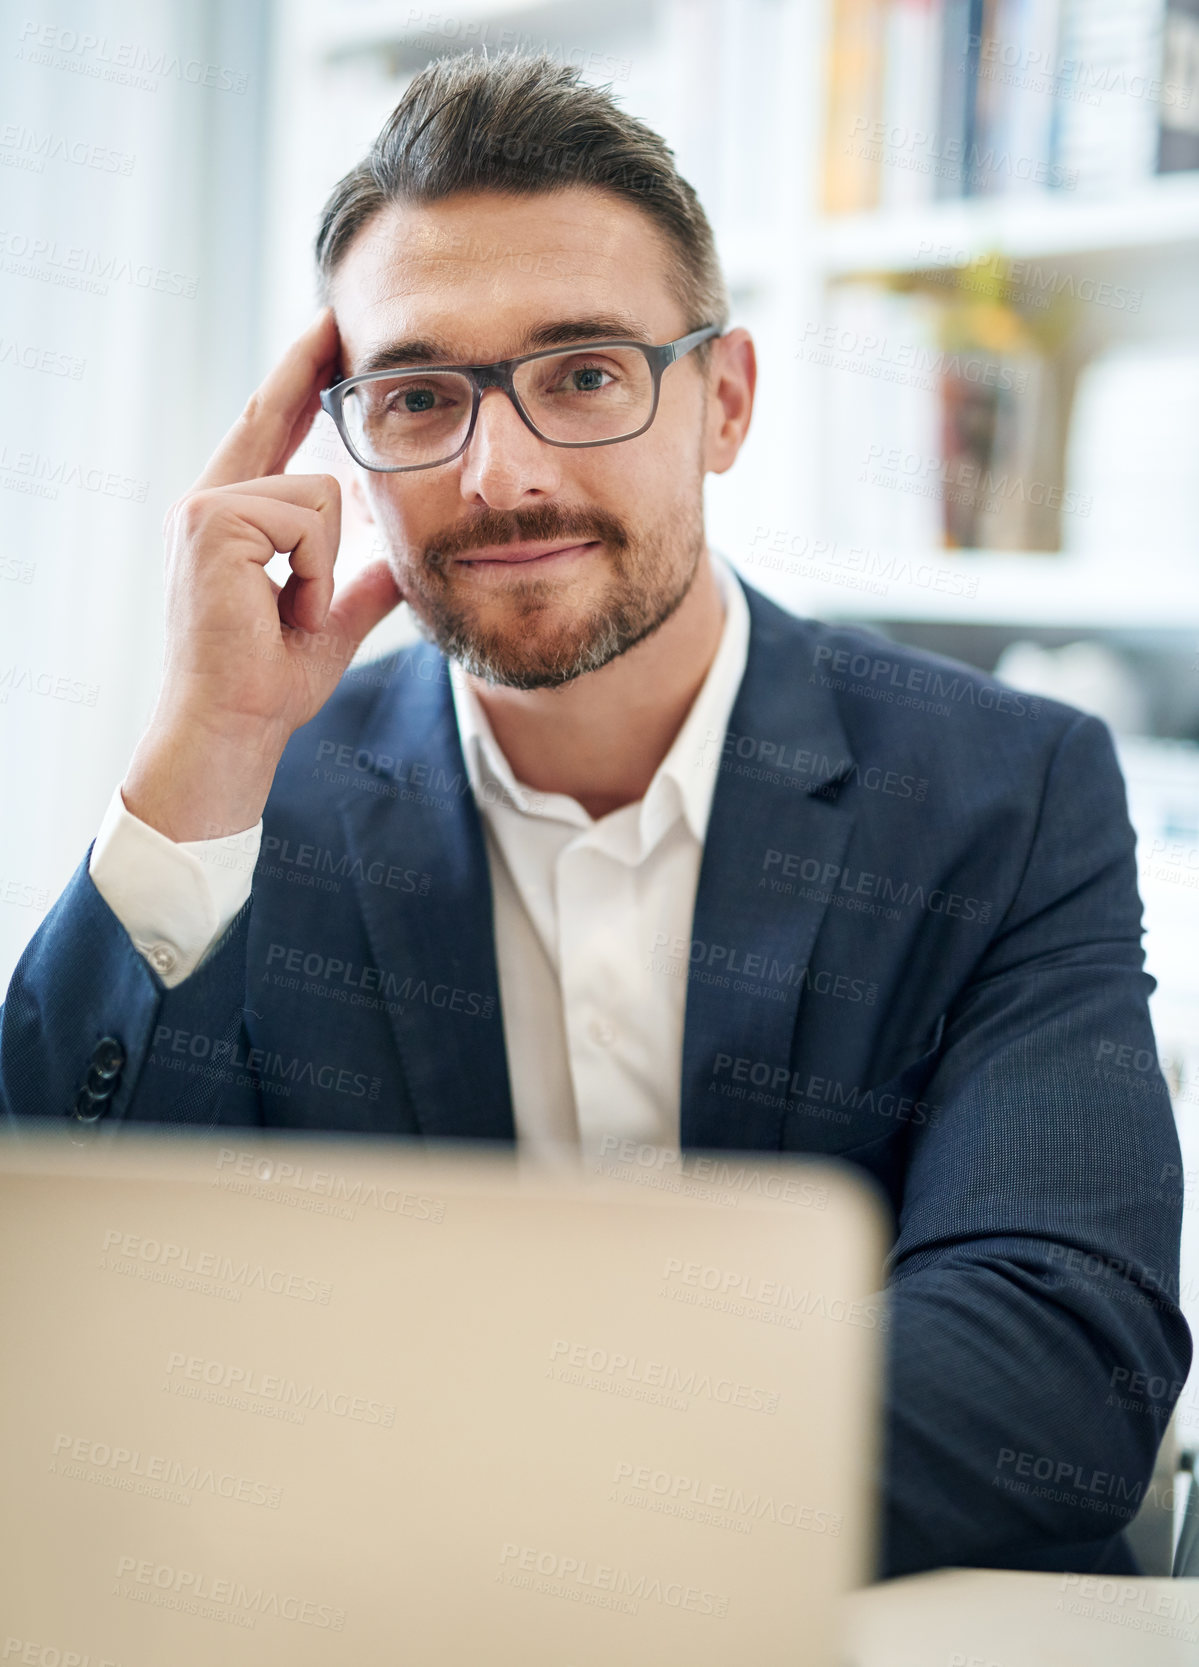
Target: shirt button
[
  {"x": 162, "y": 958},
  {"x": 602, "y": 1033}
]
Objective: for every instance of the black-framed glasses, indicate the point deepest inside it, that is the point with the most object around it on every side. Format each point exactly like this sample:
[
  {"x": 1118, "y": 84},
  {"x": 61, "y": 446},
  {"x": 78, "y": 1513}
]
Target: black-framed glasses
[{"x": 591, "y": 395}]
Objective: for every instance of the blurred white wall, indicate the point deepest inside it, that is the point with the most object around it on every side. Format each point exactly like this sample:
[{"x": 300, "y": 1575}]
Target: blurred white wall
[{"x": 129, "y": 245}]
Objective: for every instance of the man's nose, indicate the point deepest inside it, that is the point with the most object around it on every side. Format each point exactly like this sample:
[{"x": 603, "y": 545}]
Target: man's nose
[{"x": 506, "y": 463}]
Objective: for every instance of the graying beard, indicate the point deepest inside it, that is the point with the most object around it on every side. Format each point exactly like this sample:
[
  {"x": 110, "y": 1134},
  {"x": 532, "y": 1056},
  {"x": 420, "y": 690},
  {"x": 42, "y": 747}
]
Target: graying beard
[
  {"x": 594, "y": 654},
  {"x": 615, "y": 637}
]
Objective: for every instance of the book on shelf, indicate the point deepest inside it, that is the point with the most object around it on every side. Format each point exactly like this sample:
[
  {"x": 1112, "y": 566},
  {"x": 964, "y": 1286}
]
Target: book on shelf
[
  {"x": 855, "y": 68},
  {"x": 954, "y": 138},
  {"x": 1107, "y": 118},
  {"x": 1179, "y": 139},
  {"x": 939, "y": 99},
  {"x": 941, "y": 422}
]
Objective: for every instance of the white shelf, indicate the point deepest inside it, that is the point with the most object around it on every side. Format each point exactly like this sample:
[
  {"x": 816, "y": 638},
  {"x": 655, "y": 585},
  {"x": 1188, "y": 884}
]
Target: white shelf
[
  {"x": 497, "y": 25},
  {"x": 1012, "y": 589},
  {"x": 1164, "y": 212}
]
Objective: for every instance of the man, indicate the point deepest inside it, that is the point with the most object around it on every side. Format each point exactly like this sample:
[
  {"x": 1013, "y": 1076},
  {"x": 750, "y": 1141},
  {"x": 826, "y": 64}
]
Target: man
[{"x": 629, "y": 851}]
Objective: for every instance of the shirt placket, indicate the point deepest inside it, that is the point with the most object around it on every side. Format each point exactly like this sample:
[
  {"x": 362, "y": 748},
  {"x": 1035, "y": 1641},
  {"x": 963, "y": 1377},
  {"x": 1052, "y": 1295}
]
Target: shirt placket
[{"x": 597, "y": 921}]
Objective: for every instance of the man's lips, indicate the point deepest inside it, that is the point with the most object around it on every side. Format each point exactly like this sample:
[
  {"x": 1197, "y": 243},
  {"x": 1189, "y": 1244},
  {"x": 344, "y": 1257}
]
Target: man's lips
[{"x": 506, "y": 555}]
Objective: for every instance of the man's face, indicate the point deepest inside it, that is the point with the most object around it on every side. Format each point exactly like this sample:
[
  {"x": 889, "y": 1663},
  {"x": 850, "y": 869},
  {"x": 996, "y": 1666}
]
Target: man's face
[{"x": 476, "y": 277}]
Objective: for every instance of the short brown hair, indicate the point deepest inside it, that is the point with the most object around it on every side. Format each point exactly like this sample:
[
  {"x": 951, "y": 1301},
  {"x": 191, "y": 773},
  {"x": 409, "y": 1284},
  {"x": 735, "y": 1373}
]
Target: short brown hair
[{"x": 524, "y": 124}]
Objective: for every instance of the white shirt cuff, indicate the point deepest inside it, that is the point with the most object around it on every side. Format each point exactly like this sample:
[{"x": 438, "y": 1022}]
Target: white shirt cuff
[{"x": 175, "y": 899}]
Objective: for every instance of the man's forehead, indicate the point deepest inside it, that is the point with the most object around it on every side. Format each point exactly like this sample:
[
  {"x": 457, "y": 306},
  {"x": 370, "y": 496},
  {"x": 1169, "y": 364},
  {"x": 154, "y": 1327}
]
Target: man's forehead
[
  {"x": 590, "y": 227},
  {"x": 446, "y": 269}
]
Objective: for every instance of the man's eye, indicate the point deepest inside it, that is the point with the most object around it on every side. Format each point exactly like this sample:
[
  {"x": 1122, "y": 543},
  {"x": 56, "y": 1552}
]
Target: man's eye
[
  {"x": 413, "y": 400},
  {"x": 585, "y": 379}
]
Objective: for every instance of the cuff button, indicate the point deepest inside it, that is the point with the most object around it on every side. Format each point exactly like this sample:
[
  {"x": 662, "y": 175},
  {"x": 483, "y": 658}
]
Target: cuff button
[
  {"x": 89, "y": 1107},
  {"x": 108, "y": 1058}
]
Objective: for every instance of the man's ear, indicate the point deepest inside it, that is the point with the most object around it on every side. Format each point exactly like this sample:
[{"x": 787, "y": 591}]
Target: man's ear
[{"x": 732, "y": 378}]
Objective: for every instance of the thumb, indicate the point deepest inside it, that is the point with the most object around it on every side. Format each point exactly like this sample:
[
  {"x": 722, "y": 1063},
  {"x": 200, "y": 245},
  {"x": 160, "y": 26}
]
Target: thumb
[{"x": 368, "y": 598}]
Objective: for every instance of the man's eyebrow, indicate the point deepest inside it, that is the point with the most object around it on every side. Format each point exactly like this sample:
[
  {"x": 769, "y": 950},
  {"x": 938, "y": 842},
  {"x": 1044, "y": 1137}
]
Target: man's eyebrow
[{"x": 558, "y": 333}]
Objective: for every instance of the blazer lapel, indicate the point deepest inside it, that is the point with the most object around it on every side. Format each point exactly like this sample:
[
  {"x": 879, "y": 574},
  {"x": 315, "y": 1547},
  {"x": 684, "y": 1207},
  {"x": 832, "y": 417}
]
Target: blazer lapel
[
  {"x": 438, "y": 949},
  {"x": 756, "y": 926}
]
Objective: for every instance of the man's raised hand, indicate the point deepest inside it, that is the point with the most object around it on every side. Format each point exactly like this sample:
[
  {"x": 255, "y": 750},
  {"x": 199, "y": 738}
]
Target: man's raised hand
[{"x": 248, "y": 661}]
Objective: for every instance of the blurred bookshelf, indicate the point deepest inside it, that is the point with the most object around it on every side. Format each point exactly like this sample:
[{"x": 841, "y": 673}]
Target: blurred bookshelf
[
  {"x": 981, "y": 196},
  {"x": 1160, "y": 213}
]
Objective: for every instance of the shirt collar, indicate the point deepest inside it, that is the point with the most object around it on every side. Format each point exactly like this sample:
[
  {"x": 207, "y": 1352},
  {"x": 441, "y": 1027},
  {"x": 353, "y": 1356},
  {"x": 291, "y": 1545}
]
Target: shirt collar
[{"x": 685, "y": 780}]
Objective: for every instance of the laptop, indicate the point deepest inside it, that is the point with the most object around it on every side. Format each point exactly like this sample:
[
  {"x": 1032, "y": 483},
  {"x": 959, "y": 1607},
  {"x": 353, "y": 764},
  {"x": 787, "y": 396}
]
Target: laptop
[{"x": 272, "y": 1401}]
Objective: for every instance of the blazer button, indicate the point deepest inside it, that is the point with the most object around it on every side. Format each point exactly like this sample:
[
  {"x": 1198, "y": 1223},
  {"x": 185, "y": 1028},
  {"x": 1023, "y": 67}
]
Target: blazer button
[
  {"x": 108, "y": 1058},
  {"x": 101, "y": 1086},
  {"x": 89, "y": 1107}
]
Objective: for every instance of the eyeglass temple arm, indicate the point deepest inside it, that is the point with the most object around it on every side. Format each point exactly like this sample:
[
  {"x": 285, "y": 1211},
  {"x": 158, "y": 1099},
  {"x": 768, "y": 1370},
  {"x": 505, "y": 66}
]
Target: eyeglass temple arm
[{"x": 686, "y": 343}]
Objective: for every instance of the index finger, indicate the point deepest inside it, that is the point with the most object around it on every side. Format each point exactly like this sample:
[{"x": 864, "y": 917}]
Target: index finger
[{"x": 279, "y": 412}]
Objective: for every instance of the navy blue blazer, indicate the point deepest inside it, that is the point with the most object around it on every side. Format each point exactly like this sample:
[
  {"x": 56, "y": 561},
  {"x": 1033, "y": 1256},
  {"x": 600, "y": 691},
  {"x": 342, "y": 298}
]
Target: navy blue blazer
[{"x": 916, "y": 946}]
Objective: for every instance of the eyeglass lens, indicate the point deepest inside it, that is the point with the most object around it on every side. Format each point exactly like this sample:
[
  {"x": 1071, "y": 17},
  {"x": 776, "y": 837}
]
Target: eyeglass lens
[{"x": 581, "y": 396}]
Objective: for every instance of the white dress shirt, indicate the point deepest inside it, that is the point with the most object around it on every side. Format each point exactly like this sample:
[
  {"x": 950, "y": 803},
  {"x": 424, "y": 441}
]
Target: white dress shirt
[{"x": 592, "y": 916}]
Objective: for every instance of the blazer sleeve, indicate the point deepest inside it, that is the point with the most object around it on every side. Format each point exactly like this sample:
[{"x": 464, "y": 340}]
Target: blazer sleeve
[
  {"x": 86, "y": 1014},
  {"x": 1036, "y": 1343}
]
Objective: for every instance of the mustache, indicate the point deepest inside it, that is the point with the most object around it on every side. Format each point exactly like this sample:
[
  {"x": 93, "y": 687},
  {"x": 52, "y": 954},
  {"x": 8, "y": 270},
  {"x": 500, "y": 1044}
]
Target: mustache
[{"x": 538, "y": 524}]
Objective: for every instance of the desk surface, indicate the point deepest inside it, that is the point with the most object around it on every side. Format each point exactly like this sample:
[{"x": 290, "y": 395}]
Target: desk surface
[{"x": 993, "y": 1618}]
